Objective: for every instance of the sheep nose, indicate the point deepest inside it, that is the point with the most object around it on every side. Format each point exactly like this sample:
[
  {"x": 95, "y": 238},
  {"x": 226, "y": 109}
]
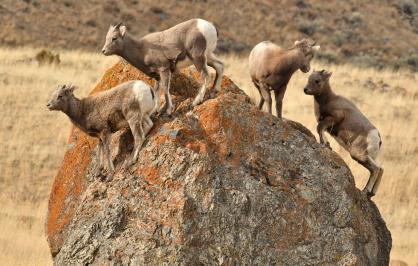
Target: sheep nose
[
  {"x": 305, "y": 90},
  {"x": 103, "y": 51}
]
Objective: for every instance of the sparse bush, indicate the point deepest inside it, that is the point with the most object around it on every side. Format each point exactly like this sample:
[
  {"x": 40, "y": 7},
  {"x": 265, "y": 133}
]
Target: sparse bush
[
  {"x": 339, "y": 38},
  {"x": 91, "y": 23},
  {"x": 407, "y": 7},
  {"x": 328, "y": 57},
  {"x": 410, "y": 61},
  {"x": 46, "y": 57},
  {"x": 356, "y": 19},
  {"x": 367, "y": 60},
  {"x": 159, "y": 12},
  {"x": 302, "y": 4},
  {"x": 306, "y": 27},
  {"x": 229, "y": 45}
]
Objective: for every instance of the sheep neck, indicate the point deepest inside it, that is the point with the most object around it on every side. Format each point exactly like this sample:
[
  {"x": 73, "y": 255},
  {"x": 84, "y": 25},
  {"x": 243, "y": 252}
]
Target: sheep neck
[
  {"x": 325, "y": 96},
  {"x": 294, "y": 59},
  {"x": 74, "y": 111},
  {"x": 132, "y": 51}
]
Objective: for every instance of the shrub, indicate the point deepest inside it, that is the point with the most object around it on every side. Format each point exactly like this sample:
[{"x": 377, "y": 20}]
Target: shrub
[
  {"x": 407, "y": 7},
  {"x": 328, "y": 57},
  {"x": 306, "y": 27}
]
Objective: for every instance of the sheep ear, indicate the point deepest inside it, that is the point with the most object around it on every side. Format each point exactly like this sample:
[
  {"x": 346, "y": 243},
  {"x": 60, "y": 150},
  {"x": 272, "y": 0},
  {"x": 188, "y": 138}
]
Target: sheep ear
[
  {"x": 69, "y": 88},
  {"x": 316, "y": 48},
  {"x": 327, "y": 74},
  {"x": 297, "y": 43},
  {"x": 122, "y": 30}
]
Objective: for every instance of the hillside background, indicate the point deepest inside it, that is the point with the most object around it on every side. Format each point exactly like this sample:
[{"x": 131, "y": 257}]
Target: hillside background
[
  {"x": 371, "y": 47},
  {"x": 372, "y": 33}
]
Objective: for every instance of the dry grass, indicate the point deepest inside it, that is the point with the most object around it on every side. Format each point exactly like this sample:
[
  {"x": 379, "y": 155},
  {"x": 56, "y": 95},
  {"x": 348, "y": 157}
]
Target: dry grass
[{"x": 33, "y": 142}]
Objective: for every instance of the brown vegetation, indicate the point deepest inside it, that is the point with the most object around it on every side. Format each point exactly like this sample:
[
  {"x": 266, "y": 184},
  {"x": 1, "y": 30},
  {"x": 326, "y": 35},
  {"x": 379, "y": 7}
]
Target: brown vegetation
[{"x": 370, "y": 33}]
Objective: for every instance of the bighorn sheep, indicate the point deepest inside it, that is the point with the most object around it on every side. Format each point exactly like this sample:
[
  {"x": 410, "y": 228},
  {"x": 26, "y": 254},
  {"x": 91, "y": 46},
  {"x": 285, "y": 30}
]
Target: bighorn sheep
[
  {"x": 158, "y": 54},
  {"x": 128, "y": 104},
  {"x": 271, "y": 68},
  {"x": 352, "y": 130}
]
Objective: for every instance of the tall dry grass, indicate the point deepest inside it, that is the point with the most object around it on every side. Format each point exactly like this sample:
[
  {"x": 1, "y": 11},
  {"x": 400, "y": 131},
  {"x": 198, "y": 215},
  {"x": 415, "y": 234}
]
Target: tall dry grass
[
  {"x": 32, "y": 144},
  {"x": 32, "y": 141}
]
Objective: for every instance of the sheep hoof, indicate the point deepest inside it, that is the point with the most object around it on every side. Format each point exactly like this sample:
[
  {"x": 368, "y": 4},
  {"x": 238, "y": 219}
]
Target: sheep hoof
[
  {"x": 327, "y": 145},
  {"x": 165, "y": 115},
  {"x": 99, "y": 172},
  {"x": 213, "y": 93},
  {"x": 369, "y": 194},
  {"x": 132, "y": 162},
  {"x": 196, "y": 102}
]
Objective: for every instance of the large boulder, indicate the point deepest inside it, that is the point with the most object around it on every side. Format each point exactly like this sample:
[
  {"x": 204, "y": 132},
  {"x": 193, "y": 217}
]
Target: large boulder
[{"x": 219, "y": 184}]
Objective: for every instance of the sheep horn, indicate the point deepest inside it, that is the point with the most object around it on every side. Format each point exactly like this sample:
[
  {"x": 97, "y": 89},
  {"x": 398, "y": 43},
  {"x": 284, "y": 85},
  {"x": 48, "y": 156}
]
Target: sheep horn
[{"x": 118, "y": 25}]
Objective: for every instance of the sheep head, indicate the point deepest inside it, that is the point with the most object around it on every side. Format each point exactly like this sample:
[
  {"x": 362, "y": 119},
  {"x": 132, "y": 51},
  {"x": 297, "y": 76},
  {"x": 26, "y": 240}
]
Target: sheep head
[
  {"x": 114, "y": 39},
  {"x": 318, "y": 82},
  {"x": 307, "y": 49},
  {"x": 60, "y": 98}
]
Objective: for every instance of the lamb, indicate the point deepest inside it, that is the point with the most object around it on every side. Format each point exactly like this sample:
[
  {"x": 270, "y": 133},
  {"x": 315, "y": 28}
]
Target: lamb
[
  {"x": 159, "y": 54},
  {"x": 128, "y": 104},
  {"x": 352, "y": 130},
  {"x": 271, "y": 68}
]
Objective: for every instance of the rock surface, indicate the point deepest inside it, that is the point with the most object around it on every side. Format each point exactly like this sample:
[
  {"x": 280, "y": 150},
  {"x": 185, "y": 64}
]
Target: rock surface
[{"x": 220, "y": 184}]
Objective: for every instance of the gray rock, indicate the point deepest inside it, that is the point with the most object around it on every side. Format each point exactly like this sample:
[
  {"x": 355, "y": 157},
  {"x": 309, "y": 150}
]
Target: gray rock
[{"x": 223, "y": 184}]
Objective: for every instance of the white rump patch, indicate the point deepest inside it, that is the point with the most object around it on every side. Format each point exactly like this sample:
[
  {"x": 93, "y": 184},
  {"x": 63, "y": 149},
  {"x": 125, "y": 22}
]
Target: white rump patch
[
  {"x": 209, "y": 31},
  {"x": 373, "y": 143},
  {"x": 143, "y": 95},
  {"x": 260, "y": 48}
]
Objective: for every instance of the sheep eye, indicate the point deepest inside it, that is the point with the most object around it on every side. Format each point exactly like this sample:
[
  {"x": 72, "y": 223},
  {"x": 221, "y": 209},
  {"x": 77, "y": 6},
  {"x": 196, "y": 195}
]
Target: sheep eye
[
  {"x": 317, "y": 81},
  {"x": 114, "y": 39},
  {"x": 59, "y": 97}
]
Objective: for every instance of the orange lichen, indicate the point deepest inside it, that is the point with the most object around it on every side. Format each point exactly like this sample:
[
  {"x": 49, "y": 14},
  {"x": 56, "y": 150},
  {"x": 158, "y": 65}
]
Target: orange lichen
[
  {"x": 70, "y": 182},
  {"x": 151, "y": 174}
]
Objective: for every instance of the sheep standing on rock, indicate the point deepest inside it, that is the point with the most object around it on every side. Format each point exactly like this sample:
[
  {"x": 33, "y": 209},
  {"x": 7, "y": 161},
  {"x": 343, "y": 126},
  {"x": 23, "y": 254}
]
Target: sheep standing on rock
[
  {"x": 159, "y": 54},
  {"x": 128, "y": 104},
  {"x": 352, "y": 130},
  {"x": 271, "y": 68}
]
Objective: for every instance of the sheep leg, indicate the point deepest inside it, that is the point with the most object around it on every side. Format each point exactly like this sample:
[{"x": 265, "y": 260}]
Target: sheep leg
[
  {"x": 165, "y": 83},
  {"x": 322, "y": 126},
  {"x": 265, "y": 94},
  {"x": 100, "y": 155},
  {"x": 201, "y": 66},
  {"x": 377, "y": 183},
  {"x": 261, "y": 103},
  {"x": 371, "y": 165},
  {"x": 106, "y": 148},
  {"x": 374, "y": 170},
  {"x": 217, "y": 64},
  {"x": 135, "y": 124},
  {"x": 279, "y": 94},
  {"x": 149, "y": 124},
  {"x": 157, "y": 95}
]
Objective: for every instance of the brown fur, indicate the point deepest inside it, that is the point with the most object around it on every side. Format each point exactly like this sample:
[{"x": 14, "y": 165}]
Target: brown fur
[
  {"x": 271, "y": 68},
  {"x": 158, "y": 54},
  {"x": 347, "y": 124},
  {"x": 104, "y": 113}
]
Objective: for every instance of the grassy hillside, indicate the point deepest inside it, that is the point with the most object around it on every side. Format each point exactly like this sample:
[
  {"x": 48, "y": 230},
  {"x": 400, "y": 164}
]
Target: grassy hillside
[
  {"x": 33, "y": 141},
  {"x": 371, "y": 33}
]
